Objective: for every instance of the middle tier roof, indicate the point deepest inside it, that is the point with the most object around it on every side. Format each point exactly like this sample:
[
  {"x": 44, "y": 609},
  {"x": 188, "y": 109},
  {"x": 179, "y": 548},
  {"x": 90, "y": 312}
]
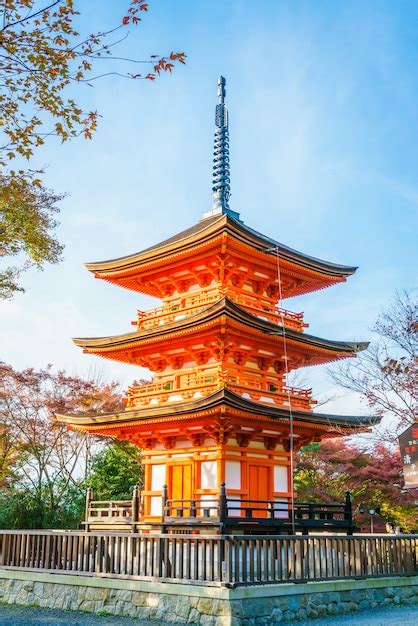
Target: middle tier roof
[{"x": 225, "y": 324}]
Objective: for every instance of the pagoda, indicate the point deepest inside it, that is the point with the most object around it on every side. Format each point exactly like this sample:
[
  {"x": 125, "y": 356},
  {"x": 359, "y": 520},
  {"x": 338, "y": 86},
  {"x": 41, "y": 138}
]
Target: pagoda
[{"x": 219, "y": 409}]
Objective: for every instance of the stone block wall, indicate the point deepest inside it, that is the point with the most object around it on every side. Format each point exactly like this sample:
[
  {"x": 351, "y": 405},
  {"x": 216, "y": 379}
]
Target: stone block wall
[{"x": 168, "y": 603}]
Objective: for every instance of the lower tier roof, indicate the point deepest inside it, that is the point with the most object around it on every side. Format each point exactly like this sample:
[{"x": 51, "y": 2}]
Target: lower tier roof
[{"x": 222, "y": 399}]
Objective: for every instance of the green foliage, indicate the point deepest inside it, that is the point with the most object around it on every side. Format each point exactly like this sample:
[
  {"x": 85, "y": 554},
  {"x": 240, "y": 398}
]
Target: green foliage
[
  {"x": 26, "y": 226},
  {"x": 115, "y": 471},
  {"x": 22, "y": 508}
]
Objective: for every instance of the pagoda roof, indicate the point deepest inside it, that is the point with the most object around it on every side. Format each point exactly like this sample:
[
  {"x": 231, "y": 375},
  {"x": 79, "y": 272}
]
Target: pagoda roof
[
  {"x": 224, "y": 306},
  {"x": 205, "y": 229},
  {"x": 221, "y": 398}
]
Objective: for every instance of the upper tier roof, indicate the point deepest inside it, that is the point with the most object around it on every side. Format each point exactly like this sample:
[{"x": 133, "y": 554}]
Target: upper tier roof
[{"x": 183, "y": 243}]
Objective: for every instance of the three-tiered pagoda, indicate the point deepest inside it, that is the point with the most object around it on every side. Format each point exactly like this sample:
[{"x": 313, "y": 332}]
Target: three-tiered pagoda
[{"x": 218, "y": 409}]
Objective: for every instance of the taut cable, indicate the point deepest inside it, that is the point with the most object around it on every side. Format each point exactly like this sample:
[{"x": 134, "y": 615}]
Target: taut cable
[{"x": 289, "y": 398}]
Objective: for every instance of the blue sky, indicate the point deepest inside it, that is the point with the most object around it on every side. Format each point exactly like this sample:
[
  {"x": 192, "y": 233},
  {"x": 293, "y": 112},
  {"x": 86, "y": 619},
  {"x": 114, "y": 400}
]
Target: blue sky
[{"x": 323, "y": 136}]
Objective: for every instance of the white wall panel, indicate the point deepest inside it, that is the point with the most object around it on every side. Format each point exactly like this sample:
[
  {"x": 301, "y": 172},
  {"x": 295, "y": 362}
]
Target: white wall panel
[
  {"x": 233, "y": 474},
  {"x": 280, "y": 478},
  {"x": 156, "y": 505},
  {"x": 157, "y": 477},
  {"x": 208, "y": 475}
]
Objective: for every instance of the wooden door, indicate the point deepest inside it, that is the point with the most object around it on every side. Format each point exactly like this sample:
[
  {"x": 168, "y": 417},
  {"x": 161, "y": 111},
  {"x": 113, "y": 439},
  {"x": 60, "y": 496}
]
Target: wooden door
[
  {"x": 259, "y": 488},
  {"x": 181, "y": 486}
]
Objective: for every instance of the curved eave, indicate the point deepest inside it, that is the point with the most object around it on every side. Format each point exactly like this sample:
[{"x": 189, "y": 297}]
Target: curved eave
[
  {"x": 224, "y": 306},
  {"x": 290, "y": 254},
  {"x": 180, "y": 240},
  {"x": 222, "y": 397},
  {"x": 204, "y": 230}
]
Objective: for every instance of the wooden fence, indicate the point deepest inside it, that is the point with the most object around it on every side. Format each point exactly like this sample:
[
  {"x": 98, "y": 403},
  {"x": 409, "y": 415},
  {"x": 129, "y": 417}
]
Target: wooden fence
[{"x": 211, "y": 559}]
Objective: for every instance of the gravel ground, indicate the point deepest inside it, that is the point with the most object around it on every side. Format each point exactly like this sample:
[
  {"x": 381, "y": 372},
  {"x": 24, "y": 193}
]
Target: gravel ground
[{"x": 12, "y": 615}]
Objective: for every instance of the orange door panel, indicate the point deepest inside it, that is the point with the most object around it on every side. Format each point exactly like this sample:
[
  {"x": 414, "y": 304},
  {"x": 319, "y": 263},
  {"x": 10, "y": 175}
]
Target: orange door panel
[
  {"x": 181, "y": 486},
  {"x": 259, "y": 487}
]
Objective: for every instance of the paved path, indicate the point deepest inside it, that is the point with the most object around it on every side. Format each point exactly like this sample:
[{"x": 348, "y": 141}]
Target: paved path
[
  {"x": 11, "y": 615},
  {"x": 16, "y": 616},
  {"x": 392, "y": 616}
]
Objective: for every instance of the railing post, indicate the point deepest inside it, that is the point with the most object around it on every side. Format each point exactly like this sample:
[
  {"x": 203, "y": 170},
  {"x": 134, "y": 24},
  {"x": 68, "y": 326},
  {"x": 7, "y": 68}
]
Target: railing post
[
  {"x": 164, "y": 501},
  {"x": 89, "y": 498},
  {"x": 348, "y": 511},
  {"x": 223, "y": 507},
  {"x": 159, "y": 556},
  {"x": 311, "y": 508},
  {"x": 193, "y": 508},
  {"x": 135, "y": 507},
  {"x": 3, "y": 544},
  {"x": 228, "y": 565}
]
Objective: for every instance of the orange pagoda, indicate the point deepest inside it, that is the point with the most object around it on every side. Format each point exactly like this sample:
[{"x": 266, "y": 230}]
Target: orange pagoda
[{"x": 218, "y": 423}]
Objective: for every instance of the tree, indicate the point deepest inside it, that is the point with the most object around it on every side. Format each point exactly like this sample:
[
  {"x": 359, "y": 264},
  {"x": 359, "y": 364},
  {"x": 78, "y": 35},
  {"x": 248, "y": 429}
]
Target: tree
[
  {"x": 115, "y": 471},
  {"x": 9, "y": 458},
  {"x": 52, "y": 460},
  {"x": 326, "y": 471},
  {"x": 386, "y": 374},
  {"x": 27, "y": 221},
  {"x": 42, "y": 56}
]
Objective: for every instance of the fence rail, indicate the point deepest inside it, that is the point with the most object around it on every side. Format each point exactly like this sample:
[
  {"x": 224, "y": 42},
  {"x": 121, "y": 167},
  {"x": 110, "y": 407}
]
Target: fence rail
[{"x": 211, "y": 559}]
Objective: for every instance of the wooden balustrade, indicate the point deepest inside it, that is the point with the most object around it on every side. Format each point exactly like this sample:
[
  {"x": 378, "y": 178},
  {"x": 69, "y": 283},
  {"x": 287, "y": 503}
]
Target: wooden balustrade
[
  {"x": 210, "y": 559},
  {"x": 232, "y": 512},
  {"x": 261, "y": 391},
  {"x": 170, "y": 313},
  {"x": 220, "y": 511},
  {"x": 112, "y": 514}
]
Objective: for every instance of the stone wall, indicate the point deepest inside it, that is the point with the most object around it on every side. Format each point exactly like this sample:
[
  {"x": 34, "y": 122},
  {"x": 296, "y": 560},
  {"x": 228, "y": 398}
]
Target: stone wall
[{"x": 264, "y": 605}]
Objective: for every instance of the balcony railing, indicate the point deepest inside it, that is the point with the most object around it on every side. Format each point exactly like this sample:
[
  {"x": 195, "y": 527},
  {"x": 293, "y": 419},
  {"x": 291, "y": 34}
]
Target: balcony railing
[
  {"x": 200, "y": 385},
  {"x": 117, "y": 514},
  {"x": 192, "y": 305},
  {"x": 221, "y": 511},
  {"x": 230, "y": 511}
]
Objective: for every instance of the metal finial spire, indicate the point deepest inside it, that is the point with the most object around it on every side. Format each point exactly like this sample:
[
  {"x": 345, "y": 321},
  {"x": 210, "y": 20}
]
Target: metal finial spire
[
  {"x": 221, "y": 181},
  {"x": 221, "y": 189},
  {"x": 221, "y": 89}
]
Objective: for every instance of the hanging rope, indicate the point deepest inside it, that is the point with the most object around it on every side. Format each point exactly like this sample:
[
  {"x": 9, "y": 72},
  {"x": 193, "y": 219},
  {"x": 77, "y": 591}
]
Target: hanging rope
[{"x": 291, "y": 450}]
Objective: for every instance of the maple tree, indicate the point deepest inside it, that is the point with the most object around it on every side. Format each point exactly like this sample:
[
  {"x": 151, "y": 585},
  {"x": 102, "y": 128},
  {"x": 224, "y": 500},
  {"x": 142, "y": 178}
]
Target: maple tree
[
  {"x": 386, "y": 374},
  {"x": 52, "y": 459},
  {"x": 325, "y": 471},
  {"x": 42, "y": 56}
]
